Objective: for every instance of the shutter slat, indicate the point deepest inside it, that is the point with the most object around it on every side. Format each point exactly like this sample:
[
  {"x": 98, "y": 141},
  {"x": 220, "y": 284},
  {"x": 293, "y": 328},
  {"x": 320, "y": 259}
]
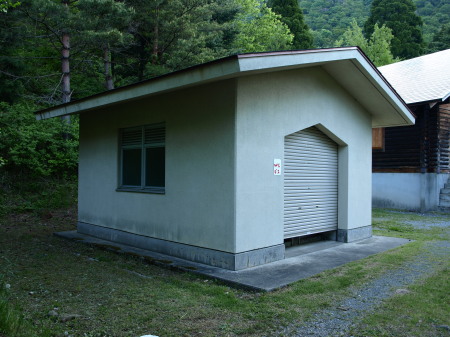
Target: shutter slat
[{"x": 310, "y": 183}]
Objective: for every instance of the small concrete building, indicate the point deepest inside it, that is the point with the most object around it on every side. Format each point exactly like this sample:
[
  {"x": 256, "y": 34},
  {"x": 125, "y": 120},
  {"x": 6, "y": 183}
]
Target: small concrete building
[
  {"x": 222, "y": 162},
  {"x": 411, "y": 165}
]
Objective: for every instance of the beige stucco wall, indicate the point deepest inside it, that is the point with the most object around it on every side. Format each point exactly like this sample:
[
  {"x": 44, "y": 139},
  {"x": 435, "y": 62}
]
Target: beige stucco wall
[
  {"x": 273, "y": 105},
  {"x": 198, "y": 206}
]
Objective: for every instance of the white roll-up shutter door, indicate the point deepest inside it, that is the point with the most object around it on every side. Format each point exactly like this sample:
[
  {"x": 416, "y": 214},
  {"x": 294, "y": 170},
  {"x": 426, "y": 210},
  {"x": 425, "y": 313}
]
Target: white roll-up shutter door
[{"x": 310, "y": 183}]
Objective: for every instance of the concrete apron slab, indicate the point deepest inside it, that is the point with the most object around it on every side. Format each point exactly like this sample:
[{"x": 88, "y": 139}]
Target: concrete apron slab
[{"x": 301, "y": 261}]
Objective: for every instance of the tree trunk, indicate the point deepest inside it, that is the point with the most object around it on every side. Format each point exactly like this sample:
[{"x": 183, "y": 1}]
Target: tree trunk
[
  {"x": 155, "y": 38},
  {"x": 109, "y": 83},
  {"x": 65, "y": 65},
  {"x": 143, "y": 58}
]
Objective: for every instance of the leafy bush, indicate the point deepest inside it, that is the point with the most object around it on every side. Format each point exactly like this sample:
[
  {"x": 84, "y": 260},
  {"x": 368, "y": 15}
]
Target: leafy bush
[
  {"x": 20, "y": 193},
  {"x": 36, "y": 148}
]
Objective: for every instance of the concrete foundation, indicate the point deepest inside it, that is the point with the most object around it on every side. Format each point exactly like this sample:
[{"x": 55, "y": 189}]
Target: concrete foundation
[
  {"x": 301, "y": 261},
  {"x": 216, "y": 258},
  {"x": 409, "y": 191},
  {"x": 351, "y": 235}
]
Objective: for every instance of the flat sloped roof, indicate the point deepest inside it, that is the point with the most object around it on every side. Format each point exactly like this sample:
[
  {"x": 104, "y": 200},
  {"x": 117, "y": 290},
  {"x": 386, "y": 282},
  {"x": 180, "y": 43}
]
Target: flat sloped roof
[
  {"x": 421, "y": 79},
  {"x": 348, "y": 66}
]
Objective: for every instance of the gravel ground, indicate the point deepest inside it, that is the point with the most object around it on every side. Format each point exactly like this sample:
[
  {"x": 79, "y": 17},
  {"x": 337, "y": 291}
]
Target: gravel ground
[
  {"x": 337, "y": 321},
  {"x": 428, "y": 225}
]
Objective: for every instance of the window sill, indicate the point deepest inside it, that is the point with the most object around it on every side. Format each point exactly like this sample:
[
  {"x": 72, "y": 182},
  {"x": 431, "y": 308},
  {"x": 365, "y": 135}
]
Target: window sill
[{"x": 149, "y": 190}]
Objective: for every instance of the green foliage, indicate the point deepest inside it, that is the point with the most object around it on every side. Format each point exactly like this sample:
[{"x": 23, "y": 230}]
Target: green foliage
[
  {"x": 435, "y": 15},
  {"x": 441, "y": 40},
  {"x": 105, "y": 24},
  {"x": 406, "y": 26},
  {"x": 329, "y": 19},
  {"x": 259, "y": 28},
  {"x": 133, "y": 40},
  {"x": 353, "y": 36},
  {"x": 104, "y": 21},
  {"x": 292, "y": 16},
  {"x": 38, "y": 148},
  {"x": 31, "y": 54},
  {"x": 170, "y": 35},
  {"x": 7, "y": 4},
  {"x": 377, "y": 48}
]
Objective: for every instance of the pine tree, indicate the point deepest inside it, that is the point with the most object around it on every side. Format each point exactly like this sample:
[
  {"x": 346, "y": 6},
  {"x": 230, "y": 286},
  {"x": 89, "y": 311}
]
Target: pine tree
[
  {"x": 292, "y": 16},
  {"x": 406, "y": 26},
  {"x": 105, "y": 29},
  {"x": 259, "y": 28},
  {"x": 377, "y": 48}
]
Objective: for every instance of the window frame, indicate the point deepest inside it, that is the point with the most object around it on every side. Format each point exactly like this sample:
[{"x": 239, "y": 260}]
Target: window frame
[
  {"x": 143, "y": 146},
  {"x": 378, "y": 139}
]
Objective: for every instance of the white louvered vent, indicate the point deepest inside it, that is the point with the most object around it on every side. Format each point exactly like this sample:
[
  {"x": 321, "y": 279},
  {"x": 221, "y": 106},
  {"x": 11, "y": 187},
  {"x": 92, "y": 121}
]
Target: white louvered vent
[
  {"x": 132, "y": 137},
  {"x": 155, "y": 135}
]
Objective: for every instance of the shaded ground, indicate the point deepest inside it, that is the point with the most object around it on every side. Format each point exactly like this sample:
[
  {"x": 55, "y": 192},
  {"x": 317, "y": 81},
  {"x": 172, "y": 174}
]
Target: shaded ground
[{"x": 110, "y": 295}]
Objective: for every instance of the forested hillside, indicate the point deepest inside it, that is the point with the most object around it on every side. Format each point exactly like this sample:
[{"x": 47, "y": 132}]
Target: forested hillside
[
  {"x": 55, "y": 51},
  {"x": 330, "y": 18}
]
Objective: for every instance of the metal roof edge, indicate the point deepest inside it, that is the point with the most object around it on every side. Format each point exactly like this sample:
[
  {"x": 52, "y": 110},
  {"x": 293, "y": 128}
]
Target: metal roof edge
[
  {"x": 83, "y": 103},
  {"x": 445, "y": 97},
  {"x": 430, "y": 101},
  {"x": 396, "y": 100},
  {"x": 80, "y": 104},
  {"x": 231, "y": 67},
  {"x": 392, "y": 89}
]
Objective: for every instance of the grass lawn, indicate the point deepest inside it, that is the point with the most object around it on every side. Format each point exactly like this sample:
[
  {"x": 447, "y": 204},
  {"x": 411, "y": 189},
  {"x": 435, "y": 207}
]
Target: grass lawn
[
  {"x": 59, "y": 288},
  {"x": 425, "y": 309}
]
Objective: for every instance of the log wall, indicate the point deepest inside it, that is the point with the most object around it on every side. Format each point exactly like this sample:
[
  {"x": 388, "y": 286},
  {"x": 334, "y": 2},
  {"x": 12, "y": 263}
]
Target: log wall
[
  {"x": 444, "y": 138},
  {"x": 423, "y": 147}
]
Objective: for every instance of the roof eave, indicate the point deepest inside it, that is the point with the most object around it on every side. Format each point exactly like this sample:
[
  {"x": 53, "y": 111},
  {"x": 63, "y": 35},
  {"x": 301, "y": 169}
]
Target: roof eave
[
  {"x": 246, "y": 64},
  {"x": 212, "y": 71},
  {"x": 333, "y": 58}
]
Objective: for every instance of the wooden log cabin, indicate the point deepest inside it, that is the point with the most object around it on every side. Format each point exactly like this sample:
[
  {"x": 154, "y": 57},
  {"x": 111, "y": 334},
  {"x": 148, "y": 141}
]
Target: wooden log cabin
[{"x": 411, "y": 164}]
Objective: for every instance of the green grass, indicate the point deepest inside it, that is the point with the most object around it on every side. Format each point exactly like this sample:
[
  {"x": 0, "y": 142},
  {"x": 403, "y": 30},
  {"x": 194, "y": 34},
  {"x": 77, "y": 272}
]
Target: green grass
[
  {"x": 10, "y": 320},
  {"x": 395, "y": 223},
  {"x": 12, "y": 323},
  {"x": 47, "y": 273},
  {"x": 424, "y": 311},
  {"x": 96, "y": 284}
]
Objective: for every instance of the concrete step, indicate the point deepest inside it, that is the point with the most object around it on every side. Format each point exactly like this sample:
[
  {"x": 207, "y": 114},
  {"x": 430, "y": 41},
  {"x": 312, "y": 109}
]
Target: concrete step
[
  {"x": 447, "y": 185},
  {"x": 444, "y": 203},
  {"x": 444, "y": 197},
  {"x": 445, "y": 190}
]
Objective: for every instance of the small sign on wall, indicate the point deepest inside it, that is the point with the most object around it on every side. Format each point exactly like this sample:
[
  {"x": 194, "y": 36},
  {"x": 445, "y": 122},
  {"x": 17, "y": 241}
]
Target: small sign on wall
[{"x": 277, "y": 167}]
